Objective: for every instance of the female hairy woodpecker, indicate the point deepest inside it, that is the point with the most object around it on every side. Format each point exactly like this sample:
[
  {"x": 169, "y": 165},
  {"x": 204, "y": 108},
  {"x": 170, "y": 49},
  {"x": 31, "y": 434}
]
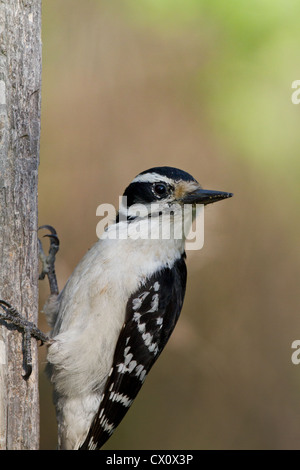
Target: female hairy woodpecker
[{"x": 119, "y": 307}]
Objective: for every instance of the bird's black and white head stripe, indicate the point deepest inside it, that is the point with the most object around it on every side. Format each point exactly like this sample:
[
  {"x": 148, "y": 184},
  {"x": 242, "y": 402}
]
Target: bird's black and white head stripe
[
  {"x": 168, "y": 172},
  {"x": 151, "y": 315},
  {"x": 161, "y": 190},
  {"x": 156, "y": 184}
]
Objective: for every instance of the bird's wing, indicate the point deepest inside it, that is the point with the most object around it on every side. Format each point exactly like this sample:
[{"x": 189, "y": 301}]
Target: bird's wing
[{"x": 151, "y": 315}]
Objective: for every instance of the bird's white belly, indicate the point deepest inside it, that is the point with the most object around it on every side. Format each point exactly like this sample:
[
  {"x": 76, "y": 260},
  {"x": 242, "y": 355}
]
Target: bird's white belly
[{"x": 91, "y": 312}]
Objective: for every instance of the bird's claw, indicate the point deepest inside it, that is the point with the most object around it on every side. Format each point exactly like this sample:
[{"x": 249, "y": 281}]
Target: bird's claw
[
  {"x": 9, "y": 313},
  {"x": 29, "y": 330},
  {"x": 48, "y": 261}
]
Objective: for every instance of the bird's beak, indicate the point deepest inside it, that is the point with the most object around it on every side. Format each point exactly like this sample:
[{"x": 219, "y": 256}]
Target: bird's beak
[{"x": 205, "y": 196}]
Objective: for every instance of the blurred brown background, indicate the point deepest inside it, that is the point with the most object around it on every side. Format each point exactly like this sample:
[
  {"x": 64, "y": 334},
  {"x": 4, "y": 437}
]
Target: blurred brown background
[{"x": 202, "y": 85}]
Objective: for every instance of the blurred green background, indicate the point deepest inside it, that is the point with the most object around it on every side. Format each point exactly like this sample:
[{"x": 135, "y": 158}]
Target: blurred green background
[{"x": 203, "y": 85}]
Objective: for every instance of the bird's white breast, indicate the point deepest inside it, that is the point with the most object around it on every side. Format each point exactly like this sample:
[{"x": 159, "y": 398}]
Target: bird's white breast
[{"x": 91, "y": 309}]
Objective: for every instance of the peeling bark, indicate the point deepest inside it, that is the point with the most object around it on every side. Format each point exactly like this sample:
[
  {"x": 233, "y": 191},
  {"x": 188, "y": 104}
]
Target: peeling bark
[{"x": 20, "y": 102}]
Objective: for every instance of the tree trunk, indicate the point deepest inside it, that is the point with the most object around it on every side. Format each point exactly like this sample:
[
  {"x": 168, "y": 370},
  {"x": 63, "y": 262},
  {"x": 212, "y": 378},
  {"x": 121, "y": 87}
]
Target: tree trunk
[{"x": 20, "y": 100}]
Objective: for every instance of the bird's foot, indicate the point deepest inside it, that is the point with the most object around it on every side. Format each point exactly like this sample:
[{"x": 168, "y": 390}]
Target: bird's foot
[
  {"x": 48, "y": 261},
  {"x": 28, "y": 329}
]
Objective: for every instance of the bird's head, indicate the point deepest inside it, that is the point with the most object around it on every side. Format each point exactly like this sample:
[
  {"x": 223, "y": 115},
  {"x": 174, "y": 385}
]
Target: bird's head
[
  {"x": 167, "y": 187},
  {"x": 164, "y": 191}
]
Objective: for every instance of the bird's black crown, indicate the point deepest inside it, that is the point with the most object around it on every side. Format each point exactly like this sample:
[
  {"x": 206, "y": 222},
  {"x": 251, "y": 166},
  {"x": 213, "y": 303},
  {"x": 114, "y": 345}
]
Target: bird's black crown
[{"x": 170, "y": 172}]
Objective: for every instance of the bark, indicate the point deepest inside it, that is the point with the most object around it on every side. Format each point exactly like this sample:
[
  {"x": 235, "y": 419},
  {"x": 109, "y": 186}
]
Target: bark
[{"x": 20, "y": 100}]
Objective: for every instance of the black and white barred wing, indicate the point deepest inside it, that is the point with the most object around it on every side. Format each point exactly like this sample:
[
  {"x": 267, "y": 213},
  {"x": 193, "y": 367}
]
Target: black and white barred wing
[{"x": 151, "y": 315}]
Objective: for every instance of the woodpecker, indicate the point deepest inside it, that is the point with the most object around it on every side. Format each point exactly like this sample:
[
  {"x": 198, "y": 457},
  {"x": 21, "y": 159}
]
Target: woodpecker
[{"x": 118, "y": 309}]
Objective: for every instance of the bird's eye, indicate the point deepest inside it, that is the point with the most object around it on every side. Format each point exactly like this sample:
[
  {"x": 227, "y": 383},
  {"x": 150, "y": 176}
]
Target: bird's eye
[{"x": 160, "y": 189}]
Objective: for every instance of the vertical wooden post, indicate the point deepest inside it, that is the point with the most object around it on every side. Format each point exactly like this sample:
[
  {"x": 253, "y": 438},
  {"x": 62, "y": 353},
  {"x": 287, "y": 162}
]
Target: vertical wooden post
[{"x": 20, "y": 102}]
